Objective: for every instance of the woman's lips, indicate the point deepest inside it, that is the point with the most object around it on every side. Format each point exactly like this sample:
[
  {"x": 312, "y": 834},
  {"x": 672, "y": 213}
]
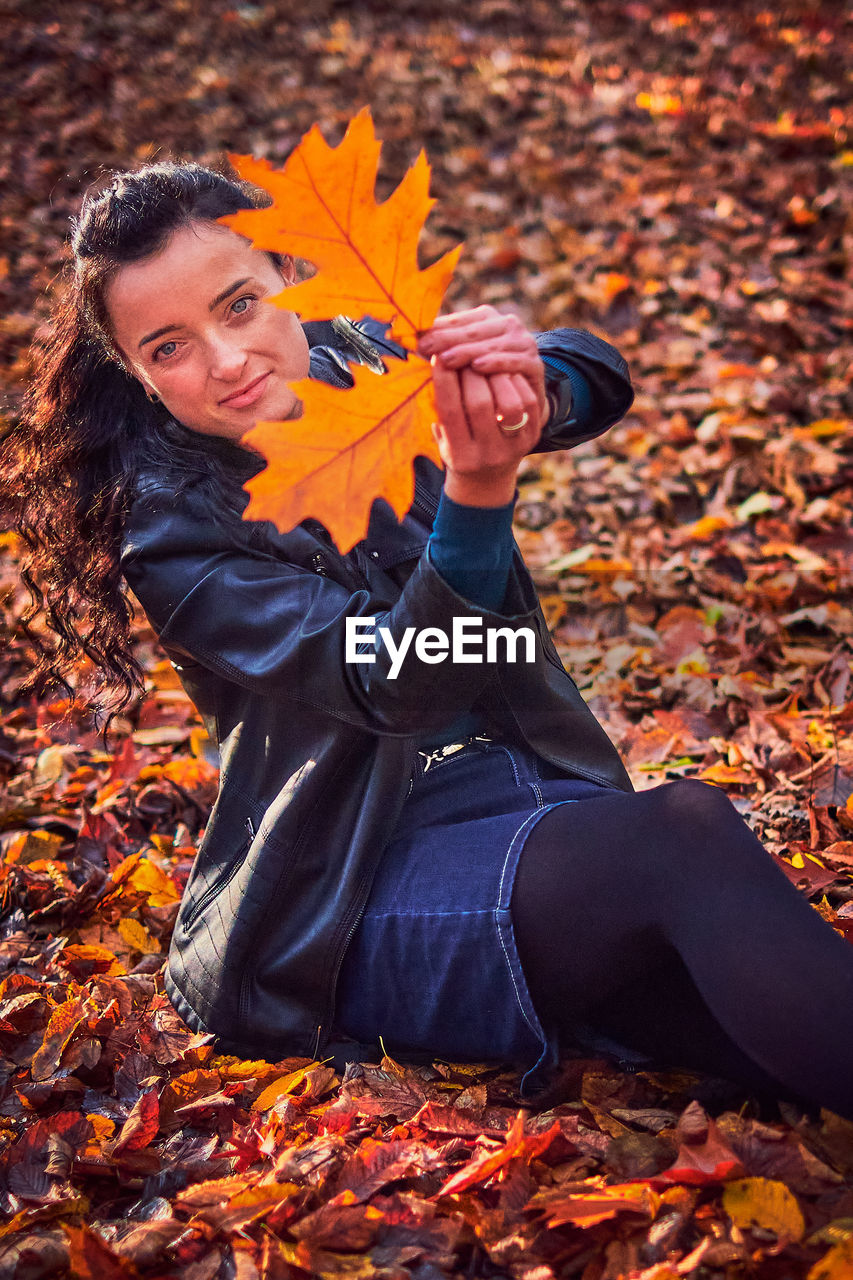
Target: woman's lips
[{"x": 249, "y": 394}]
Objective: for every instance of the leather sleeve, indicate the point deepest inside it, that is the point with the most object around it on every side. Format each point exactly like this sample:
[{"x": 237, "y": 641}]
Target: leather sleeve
[
  {"x": 606, "y": 373},
  {"x": 275, "y": 627}
]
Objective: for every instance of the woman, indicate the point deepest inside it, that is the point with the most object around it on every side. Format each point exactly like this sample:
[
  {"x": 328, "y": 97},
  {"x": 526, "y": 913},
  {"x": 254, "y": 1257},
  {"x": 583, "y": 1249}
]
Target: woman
[{"x": 452, "y": 858}]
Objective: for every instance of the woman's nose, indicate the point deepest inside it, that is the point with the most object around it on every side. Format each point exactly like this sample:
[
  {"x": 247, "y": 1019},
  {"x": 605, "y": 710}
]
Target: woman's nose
[{"x": 227, "y": 358}]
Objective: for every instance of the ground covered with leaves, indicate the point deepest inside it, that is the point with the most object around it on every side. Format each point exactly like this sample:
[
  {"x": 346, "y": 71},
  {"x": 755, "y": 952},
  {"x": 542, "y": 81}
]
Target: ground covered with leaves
[{"x": 675, "y": 181}]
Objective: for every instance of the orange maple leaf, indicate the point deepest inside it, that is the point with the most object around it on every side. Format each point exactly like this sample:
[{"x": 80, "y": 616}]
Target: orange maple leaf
[
  {"x": 348, "y": 447},
  {"x": 324, "y": 209}
]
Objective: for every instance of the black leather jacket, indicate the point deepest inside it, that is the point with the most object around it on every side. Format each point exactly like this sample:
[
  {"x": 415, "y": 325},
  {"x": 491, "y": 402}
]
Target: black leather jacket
[{"x": 316, "y": 753}]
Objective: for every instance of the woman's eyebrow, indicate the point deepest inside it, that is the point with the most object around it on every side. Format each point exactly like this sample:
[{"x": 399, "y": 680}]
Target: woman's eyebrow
[
  {"x": 220, "y": 297},
  {"x": 158, "y": 333},
  {"x": 226, "y": 293}
]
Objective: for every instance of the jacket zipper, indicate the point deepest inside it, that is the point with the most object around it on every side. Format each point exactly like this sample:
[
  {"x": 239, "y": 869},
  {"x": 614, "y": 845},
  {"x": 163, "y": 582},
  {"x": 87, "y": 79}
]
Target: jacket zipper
[
  {"x": 338, "y": 964},
  {"x": 219, "y": 884},
  {"x": 428, "y": 508}
]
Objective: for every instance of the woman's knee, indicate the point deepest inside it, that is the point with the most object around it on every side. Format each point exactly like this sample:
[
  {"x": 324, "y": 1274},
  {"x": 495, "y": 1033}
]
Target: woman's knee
[
  {"x": 698, "y": 822},
  {"x": 694, "y": 804}
]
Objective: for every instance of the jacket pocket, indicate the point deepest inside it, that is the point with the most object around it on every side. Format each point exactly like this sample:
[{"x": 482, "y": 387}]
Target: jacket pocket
[{"x": 221, "y": 880}]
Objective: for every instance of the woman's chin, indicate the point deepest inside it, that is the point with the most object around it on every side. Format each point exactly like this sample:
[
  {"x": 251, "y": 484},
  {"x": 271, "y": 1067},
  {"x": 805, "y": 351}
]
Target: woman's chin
[{"x": 276, "y": 411}]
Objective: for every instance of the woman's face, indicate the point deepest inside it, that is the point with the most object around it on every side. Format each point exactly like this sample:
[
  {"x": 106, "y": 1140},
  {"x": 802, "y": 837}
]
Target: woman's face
[{"x": 193, "y": 326}]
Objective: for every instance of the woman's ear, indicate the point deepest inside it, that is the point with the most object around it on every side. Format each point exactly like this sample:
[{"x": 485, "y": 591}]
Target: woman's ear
[{"x": 289, "y": 273}]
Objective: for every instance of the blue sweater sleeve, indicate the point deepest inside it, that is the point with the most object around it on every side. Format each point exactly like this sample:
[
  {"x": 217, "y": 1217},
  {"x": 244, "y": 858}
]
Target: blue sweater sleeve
[
  {"x": 579, "y": 408},
  {"x": 471, "y": 547}
]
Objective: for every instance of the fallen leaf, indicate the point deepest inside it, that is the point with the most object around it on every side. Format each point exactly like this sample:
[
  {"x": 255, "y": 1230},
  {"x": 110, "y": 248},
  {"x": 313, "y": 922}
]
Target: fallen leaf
[
  {"x": 517, "y": 1143},
  {"x": 587, "y": 1209},
  {"x": 764, "y": 1203},
  {"x": 837, "y": 1264}
]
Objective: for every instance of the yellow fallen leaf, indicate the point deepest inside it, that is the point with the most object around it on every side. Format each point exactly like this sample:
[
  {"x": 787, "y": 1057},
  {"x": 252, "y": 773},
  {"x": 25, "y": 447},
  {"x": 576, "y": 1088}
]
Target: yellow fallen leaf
[
  {"x": 137, "y": 936},
  {"x": 828, "y": 427},
  {"x": 706, "y": 526},
  {"x": 764, "y": 1203},
  {"x": 835, "y": 1265},
  {"x": 724, "y": 774},
  {"x": 286, "y": 1084},
  {"x": 151, "y": 879},
  {"x": 31, "y": 846}
]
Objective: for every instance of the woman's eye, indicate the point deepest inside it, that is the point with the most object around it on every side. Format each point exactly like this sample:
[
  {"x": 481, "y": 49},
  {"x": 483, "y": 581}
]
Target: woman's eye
[
  {"x": 165, "y": 350},
  {"x": 241, "y": 305}
]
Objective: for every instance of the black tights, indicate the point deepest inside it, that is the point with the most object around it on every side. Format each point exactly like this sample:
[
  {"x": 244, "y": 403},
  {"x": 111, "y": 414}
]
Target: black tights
[{"x": 661, "y": 920}]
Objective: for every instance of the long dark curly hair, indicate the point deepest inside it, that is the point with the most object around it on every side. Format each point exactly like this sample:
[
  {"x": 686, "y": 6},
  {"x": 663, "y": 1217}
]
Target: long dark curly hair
[{"x": 69, "y": 466}]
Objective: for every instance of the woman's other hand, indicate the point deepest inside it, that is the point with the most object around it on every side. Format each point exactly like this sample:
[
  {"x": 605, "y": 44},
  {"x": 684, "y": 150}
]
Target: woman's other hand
[{"x": 487, "y": 374}]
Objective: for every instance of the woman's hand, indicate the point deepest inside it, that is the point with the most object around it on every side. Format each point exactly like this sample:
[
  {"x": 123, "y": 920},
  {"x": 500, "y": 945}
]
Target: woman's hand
[
  {"x": 481, "y": 458},
  {"x": 487, "y": 372},
  {"x": 492, "y": 344}
]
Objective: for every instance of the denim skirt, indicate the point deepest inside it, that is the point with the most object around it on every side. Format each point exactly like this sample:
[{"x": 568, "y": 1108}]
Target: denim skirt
[{"x": 432, "y": 966}]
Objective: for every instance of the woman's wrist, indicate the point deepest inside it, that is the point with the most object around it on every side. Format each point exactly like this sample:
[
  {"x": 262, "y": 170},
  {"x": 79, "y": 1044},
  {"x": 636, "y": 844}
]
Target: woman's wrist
[{"x": 473, "y": 491}]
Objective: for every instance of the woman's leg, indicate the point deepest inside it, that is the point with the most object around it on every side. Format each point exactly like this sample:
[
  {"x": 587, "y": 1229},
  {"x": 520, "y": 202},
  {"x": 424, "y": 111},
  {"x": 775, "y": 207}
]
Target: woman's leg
[
  {"x": 608, "y": 888},
  {"x": 663, "y": 1014}
]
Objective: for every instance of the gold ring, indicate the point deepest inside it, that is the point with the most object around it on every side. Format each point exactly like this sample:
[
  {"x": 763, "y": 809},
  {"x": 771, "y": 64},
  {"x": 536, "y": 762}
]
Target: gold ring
[{"x": 516, "y": 426}]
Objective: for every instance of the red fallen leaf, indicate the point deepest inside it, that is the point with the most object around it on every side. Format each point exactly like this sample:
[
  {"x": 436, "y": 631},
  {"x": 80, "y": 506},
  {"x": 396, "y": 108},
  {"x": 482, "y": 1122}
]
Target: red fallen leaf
[
  {"x": 232, "y": 1203},
  {"x": 340, "y": 1224},
  {"x": 340, "y": 1116},
  {"x": 82, "y": 960},
  {"x": 839, "y": 854},
  {"x": 822, "y": 828},
  {"x": 244, "y": 1146},
  {"x": 374, "y": 1164},
  {"x": 14, "y": 985},
  {"x": 64, "y": 1021},
  {"x": 125, "y": 869},
  {"x": 386, "y": 1090},
  {"x": 126, "y": 763},
  {"x": 410, "y": 1220},
  {"x": 701, "y": 1163},
  {"x": 810, "y": 876},
  {"x": 222, "y": 1100},
  {"x": 314, "y": 1160},
  {"x": 165, "y": 1036},
  {"x": 141, "y": 1126},
  {"x": 25, "y": 1218},
  {"x": 62, "y": 1089},
  {"x": 24, "y": 1012},
  {"x": 438, "y": 1117},
  {"x": 185, "y": 1088},
  {"x": 517, "y": 1143},
  {"x": 71, "y": 1126},
  {"x": 99, "y": 838},
  {"x": 30, "y": 1182},
  {"x": 771, "y": 1151},
  {"x": 146, "y": 1242},
  {"x": 91, "y": 1258},
  {"x": 35, "y": 1255}
]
